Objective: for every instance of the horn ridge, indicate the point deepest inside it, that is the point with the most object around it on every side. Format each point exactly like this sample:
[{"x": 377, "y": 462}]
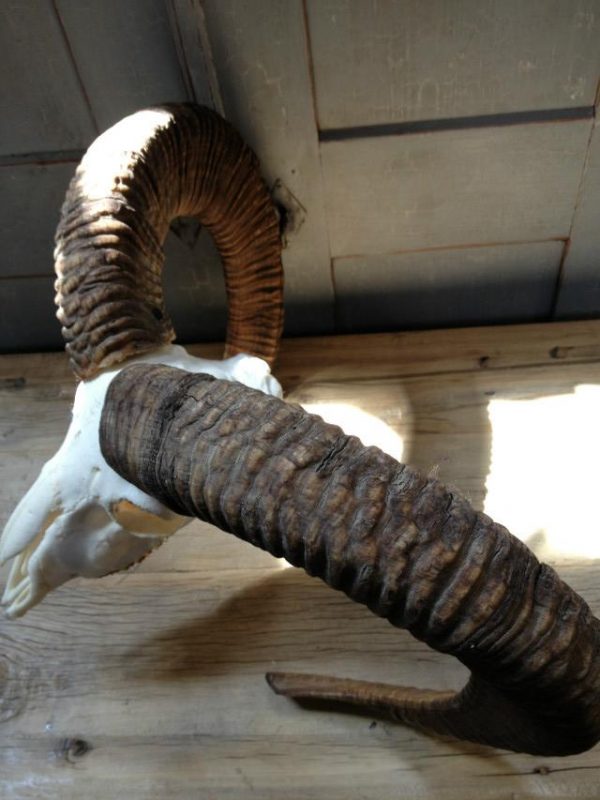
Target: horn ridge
[
  {"x": 155, "y": 165},
  {"x": 412, "y": 550}
]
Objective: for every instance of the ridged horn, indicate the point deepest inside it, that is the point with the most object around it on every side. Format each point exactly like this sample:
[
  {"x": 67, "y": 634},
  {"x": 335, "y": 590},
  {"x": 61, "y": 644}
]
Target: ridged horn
[
  {"x": 153, "y": 166},
  {"x": 410, "y": 549}
]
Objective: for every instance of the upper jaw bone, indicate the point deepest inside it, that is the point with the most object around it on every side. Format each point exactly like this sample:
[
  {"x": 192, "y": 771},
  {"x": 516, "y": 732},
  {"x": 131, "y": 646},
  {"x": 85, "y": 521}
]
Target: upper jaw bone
[{"x": 81, "y": 519}]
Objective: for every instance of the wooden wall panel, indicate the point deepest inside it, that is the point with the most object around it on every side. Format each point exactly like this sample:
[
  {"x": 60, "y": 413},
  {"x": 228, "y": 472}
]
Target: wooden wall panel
[
  {"x": 505, "y": 283},
  {"x": 125, "y": 54},
  {"x": 27, "y": 315},
  {"x": 263, "y": 74},
  {"x": 580, "y": 290},
  {"x": 194, "y": 52},
  {"x": 72, "y": 68},
  {"x": 490, "y": 185},
  {"x": 381, "y": 61},
  {"x": 43, "y": 105},
  {"x": 194, "y": 284},
  {"x": 31, "y": 196}
]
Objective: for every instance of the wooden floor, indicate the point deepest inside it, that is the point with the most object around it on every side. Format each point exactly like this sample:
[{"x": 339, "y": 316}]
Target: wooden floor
[{"x": 149, "y": 684}]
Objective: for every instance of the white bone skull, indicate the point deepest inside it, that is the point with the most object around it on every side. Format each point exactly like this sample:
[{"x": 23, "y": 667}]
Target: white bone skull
[{"x": 82, "y": 519}]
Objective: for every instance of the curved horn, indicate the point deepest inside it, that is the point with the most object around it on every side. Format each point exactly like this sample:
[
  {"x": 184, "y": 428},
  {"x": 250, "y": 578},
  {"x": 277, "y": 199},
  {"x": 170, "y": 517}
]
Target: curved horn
[
  {"x": 404, "y": 545},
  {"x": 149, "y": 168}
]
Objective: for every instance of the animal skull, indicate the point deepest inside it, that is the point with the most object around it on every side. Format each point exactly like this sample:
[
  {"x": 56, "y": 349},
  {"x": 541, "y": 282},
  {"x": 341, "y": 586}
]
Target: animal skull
[
  {"x": 80, "y": 518},
  {"x": 403, "y": 544}
]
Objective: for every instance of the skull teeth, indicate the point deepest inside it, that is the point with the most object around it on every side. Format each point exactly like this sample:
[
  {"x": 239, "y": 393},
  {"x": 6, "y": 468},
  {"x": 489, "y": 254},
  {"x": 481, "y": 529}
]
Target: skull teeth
[{"x": 21, "y": 590}]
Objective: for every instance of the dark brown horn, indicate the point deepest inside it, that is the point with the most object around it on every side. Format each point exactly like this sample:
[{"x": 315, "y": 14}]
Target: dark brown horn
[
  {"x": 157, "y": 164},
  {"x": 404, "y": 545}
]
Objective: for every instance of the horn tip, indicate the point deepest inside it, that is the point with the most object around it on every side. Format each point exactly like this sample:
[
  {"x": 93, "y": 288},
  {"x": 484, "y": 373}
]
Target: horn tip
[{"x": 281, "y": 682}]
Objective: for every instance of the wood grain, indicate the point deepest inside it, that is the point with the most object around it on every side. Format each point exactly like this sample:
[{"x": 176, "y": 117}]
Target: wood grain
[
  {"x": 485, "y": 186},
  {"x": 194, "y": 53},
  {"x": 44, "y": 106},
  {"x": 438, "y": 288},
  {"x": 194, "y": 283},
  {"x": 149, "y": 683},
  {"x": 379, "y": 62},
  {"x": 125, "y": 56},
  {"x": 28, "y": 315},
  {"x": 34, "y": 194},
  {"x": 579, "y": 294}
]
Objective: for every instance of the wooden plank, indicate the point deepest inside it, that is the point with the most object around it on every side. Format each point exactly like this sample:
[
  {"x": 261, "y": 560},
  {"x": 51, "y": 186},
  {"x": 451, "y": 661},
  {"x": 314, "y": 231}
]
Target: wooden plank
[
  {"x": 102, "y": 698},
  {"x": 43, "y": 104},
  {"x": 380, "y": 62},
  {"x": 437, "y": 288},
  {"x": 27, "y": 315},
  {"x": 194, "y": 284},
  {"x": 492, "y": 185},
  {"x": 34, "y": 194},
  {"x": 185, "y": 711},
  {"x": 579, "y": 294},
  {"x": 125, "y": 55},
  {"x": 337, "y": 359},
  {"x": 398, "y": 355},
  {"x": 188, "y": 25},
  {"x": 263, "y": 73}
]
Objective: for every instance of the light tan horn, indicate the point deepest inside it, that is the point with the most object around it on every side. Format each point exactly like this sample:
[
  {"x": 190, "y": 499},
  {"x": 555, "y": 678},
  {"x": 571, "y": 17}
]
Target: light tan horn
[{"x": 153, "y": 166}]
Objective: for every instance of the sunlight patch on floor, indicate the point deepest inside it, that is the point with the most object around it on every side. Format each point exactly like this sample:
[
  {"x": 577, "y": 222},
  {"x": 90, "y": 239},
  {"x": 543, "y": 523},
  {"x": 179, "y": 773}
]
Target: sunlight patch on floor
[{"x": 544, "y": 479}]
